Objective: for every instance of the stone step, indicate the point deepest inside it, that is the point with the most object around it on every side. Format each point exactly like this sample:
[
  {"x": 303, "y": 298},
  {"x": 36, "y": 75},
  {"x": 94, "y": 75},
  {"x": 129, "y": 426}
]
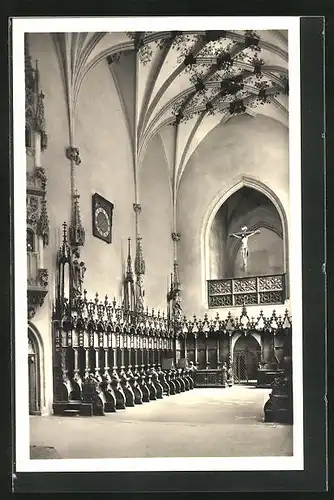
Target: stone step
[
  {"x": 71, "y": 412},
  {"x": 59, "y": 408}
]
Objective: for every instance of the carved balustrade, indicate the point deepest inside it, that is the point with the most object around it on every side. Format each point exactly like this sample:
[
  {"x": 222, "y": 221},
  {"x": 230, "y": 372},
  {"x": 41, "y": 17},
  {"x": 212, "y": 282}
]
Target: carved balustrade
[{"x": 252, "y": 290}]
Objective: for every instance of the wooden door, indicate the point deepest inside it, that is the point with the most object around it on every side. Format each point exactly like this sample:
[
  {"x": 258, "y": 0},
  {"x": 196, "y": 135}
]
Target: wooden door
[
  {"x": 201, "y": 359},
  {"x": 212, "y": 358},
  {"x": 33, "y": 378},
  {"x": 32, "y": 384},
  {"x": 191, "y": 355},
  {"x": 246, "y": 358}
]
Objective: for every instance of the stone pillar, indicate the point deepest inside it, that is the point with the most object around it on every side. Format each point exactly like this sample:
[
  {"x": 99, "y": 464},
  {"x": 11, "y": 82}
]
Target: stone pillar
[
  {"x": 63, "y": 362},
  {"x": 76, "y": 362},
  {"x": 262, "y": 348},
  {"x": 87, "y": 367},
  {"x": 196, "y": 352},
  {"x": 114, "y": 356},
  {"x": 230, "y": 362},
  {"x": 185, "y": 347},
  {"x": 97, "y": 362},
  {"x": 38, "y": 149},
  {"x": 76, "y": 230},
  {"x": 176, "y": 238},
  {"x": 40, "y": 253},
  {"x": 273, "y": 353},
  {"x": 136, "y": 352},
  {"x": 122, "y": 336},
  {"x": 106, "y": 364},
  {"x": 130, "y": 344},
  {"x": 139, "y": 264}
]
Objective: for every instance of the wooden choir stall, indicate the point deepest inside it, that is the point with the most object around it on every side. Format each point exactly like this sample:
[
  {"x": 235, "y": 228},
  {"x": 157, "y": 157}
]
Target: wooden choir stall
[{"x": 109, "y": 356}]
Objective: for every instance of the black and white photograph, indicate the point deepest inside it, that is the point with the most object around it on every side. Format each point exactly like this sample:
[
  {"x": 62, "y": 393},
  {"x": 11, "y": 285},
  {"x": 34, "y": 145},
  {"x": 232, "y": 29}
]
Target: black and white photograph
[{"x": 158, "y": 250}]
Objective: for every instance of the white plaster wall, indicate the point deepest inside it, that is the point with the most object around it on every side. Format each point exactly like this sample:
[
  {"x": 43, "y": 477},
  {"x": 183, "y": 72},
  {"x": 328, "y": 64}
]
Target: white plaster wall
[
  {"x": 106, "y": 168},
  {"x": 254, "y": 147},
  {"x": 265, "y": 255},
  {"x": 156, "y": 223}
]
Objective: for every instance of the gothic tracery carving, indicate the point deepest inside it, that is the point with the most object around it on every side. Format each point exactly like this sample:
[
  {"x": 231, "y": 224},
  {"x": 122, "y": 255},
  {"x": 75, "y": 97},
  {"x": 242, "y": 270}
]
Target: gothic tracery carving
[
  {"x": 34, "y": 103},
  {"x": 176, "y": 237},
  {"x": 42, "y": 226},
  {"x": 76, "y": 229},
  {"x": 244, "y": 285},
  {"x": 268, "y": 283},
  {"x": 137, "y": 207},
  {"x": 220, "y": 287},
  {"x": 33, "y": 206},
  {"x": 36, "y": 205},
  {"x": 72, "y": 153},
  {"x": 252, "y": 290}
]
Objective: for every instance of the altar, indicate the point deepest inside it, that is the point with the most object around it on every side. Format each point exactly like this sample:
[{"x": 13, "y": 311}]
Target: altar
[
  {"x": 210, "y": 378},
  {"x": 265, "y": 377}
]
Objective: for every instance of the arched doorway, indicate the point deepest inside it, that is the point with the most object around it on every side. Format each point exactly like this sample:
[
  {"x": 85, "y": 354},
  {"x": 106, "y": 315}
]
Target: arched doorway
[
  {"x": 246, "y": 358},
  {"x": 34, "y": 374}
]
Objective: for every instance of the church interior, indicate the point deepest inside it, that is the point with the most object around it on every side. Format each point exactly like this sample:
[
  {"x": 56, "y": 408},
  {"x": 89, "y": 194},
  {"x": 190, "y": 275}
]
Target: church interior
[{"x": 158, "y": 242}]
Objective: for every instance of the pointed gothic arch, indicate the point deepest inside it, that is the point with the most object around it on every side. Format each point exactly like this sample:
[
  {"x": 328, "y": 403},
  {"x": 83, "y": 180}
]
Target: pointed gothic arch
[
  {"x": 35, "y": 371},
  {"x": 246, "y": 358},
  {"x": 218, "y": 201}
]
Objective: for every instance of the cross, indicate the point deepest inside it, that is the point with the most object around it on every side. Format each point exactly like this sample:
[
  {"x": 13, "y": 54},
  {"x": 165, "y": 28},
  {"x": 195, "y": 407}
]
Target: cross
[{"x": 243, "y": 236}]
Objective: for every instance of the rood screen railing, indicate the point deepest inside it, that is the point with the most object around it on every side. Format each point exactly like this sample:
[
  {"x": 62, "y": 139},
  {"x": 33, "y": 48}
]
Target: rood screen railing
[{"x": 251, "y": 290}]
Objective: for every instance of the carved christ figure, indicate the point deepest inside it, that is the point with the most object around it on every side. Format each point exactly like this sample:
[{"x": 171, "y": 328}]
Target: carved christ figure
[{"x": 243, "y": 236}]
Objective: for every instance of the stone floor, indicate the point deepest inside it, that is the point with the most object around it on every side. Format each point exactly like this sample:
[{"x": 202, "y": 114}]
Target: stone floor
[{"x": 199, "y": 423}]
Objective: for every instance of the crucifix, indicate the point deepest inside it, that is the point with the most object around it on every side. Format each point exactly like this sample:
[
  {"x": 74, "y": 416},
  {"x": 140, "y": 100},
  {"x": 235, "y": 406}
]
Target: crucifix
[{"x": 243, "y": 236}]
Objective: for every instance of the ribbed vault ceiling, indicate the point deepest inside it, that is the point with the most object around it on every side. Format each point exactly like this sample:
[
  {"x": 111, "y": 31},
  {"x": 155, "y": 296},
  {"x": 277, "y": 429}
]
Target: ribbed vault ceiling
[{"x": 180, "y": 85}]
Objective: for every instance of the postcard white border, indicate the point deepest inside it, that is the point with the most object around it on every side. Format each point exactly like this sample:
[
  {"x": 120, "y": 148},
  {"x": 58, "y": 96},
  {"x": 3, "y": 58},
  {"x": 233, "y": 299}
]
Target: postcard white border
[{"x": 49, "y": 25}]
